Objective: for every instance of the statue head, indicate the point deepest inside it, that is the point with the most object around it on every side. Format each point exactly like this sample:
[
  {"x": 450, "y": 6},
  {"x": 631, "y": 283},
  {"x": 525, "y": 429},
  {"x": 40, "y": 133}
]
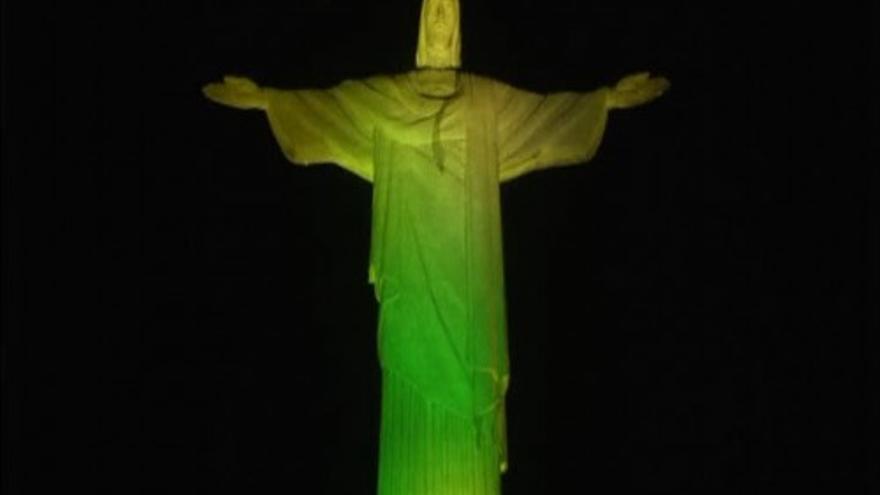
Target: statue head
[{"x": 439, "y": 35}]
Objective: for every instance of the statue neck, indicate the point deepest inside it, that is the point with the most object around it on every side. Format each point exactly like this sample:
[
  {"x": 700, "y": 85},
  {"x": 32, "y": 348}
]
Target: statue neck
[{"x": 435, "y": 83}]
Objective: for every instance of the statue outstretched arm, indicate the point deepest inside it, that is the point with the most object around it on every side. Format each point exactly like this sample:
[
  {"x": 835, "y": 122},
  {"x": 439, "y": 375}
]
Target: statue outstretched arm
[
  {"x": 311, "y": 126},
  {"x": 539, "y": 131}
]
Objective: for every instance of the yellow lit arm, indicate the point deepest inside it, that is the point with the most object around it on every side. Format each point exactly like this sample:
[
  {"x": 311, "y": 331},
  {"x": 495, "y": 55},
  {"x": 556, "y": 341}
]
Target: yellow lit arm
[
  {"x": 332, "y": 125},
  {"x": 324, "y": 126},
  {"x": 539, "y": 131}
]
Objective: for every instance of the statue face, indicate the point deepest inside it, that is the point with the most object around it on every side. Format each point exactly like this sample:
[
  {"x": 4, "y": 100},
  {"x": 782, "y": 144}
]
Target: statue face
[
  {"x": 439, "y": 38},
  {"x": 442, "y": 19}
]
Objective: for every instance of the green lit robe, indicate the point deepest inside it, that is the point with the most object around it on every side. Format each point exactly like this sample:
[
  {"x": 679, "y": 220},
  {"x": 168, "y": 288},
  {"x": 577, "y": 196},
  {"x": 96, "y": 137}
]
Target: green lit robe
[{"x": 436, "y": 261}]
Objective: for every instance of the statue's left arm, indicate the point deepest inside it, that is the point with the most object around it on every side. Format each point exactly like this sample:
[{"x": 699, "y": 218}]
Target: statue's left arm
[{"x": 537, "y": 131}]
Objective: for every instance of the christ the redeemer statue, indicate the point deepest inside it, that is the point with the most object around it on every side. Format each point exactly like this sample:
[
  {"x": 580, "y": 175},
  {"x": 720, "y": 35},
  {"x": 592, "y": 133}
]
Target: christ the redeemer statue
[{"x": 436, "y": 143}]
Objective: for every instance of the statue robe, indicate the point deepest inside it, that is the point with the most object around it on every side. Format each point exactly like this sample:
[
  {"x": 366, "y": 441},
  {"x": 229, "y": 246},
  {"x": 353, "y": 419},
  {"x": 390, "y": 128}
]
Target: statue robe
[{"x": 436, "y": 249}]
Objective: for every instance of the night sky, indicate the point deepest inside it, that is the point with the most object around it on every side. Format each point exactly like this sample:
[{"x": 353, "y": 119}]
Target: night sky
[{"x": 693, "y": 311}]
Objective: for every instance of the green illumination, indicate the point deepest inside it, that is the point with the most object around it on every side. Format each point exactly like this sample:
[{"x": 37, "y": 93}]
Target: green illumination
[{"x": 436, "y": 143}]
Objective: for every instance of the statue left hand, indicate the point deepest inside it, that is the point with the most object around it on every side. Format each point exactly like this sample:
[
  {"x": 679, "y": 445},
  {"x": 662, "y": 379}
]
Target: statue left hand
[
  {"x": 636, "y": 89},
  {"x": 237, "y": 92}
]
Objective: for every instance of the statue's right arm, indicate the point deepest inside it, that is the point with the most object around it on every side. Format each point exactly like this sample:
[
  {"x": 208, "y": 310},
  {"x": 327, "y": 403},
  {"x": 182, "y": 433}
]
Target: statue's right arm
[
  {"x": 331, "y": 125},
  {"x": 237, "y": 92}
]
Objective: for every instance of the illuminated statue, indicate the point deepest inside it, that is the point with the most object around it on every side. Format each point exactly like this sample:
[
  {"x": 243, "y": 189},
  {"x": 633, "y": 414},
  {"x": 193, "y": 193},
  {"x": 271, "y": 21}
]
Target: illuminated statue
[{"x": 436, "y": 143}]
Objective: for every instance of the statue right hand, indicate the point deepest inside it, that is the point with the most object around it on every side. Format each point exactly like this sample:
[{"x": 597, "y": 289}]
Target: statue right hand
[
  {"x": 237, "y": 92},
  {"x": 636, "y": 90}
]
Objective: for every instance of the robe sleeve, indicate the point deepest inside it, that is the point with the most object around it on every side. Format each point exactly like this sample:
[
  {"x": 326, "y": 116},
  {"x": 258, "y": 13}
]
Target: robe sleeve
[
  {"x": 332, "y": 125},
  {"x": 537, "y": 131}
]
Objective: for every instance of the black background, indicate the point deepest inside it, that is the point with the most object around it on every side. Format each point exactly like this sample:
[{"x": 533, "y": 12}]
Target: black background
[{"x": 694, "y": 311}]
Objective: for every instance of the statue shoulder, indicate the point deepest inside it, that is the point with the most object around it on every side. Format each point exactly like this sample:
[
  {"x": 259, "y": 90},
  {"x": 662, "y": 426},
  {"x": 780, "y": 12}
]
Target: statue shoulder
[
  {"x": 489, "y": 87},
  {"x": 373, "y": 89},
  {"x": 481, "y": 79},
  {"x": 378, "y": 82}
]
